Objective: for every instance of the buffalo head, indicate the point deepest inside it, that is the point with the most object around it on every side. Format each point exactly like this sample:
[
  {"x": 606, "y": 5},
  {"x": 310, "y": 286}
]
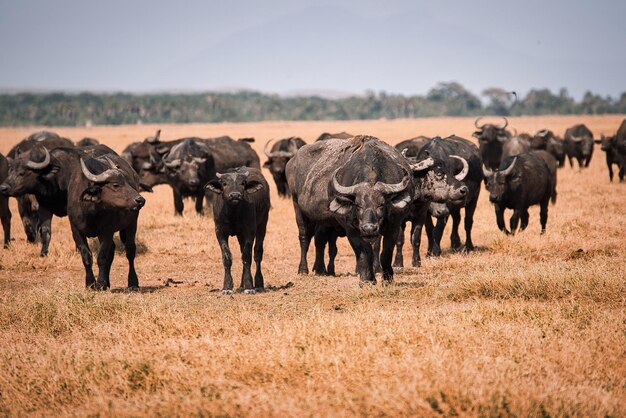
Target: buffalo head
[
  {"x": 26, "y": 171},
  {"x": 234, "y": 187},
  {"x": 499, "y": 182},
  {"x": 108, "y": 186}
]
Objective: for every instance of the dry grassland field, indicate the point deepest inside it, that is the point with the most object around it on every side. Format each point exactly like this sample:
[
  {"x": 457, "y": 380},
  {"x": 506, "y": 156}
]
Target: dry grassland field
[{"x": 527, "y": 325}]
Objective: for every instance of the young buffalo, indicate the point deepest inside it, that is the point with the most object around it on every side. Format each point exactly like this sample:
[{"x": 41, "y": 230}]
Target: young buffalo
[{"x": 241, "y": 209}]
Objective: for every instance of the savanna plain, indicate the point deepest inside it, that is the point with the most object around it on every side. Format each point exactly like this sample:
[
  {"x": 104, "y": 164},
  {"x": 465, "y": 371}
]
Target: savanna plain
[{"x": 527, "y": 325}]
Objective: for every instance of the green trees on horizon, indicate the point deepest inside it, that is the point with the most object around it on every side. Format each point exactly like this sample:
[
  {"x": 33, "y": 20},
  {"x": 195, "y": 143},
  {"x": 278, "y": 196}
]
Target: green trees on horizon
[{"x": 445, "y": 99}]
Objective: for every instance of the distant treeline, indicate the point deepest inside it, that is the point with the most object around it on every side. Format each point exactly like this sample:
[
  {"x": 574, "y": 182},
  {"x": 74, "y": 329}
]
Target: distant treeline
[{"x": 446, "y": 99}]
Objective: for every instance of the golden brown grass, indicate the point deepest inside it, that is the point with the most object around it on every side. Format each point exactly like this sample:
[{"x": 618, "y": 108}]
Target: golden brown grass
[{"x": 528, "y": 325}]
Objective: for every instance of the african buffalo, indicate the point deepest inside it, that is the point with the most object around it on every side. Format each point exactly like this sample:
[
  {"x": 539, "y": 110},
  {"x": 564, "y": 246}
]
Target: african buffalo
[
  {"x": 579, "y": 145},
  {"x": 189, "y": 166},
  {"x": 340, "y": 135},
  {"x": 35, "y": 220},
  {"x": 411, "y": 147},
  {"x": 277, "y": 157},
  {"x": 491, "y": 138},
  {"x": 146, "y": 158},
  {"x": 459, "y": 161},
  {"x": 520, "y": 182},
  {"x": 545, "y": 139},
  {"x": 241, "y": 209},
  {"x": 5, "y": 212},
  {"x": 515, "y": 145},
  {"x": 609, "y": 145}
]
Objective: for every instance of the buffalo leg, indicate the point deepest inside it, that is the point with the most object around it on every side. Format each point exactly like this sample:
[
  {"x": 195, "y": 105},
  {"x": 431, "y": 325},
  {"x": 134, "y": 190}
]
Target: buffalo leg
[
  {"x": 320, "y": 241},
  {"x": 45, "y": 230},
  {"x": 524, "y": 217},
  {"x": 199, "y": 201},
  {"x": 85, "y": 253},
  {"x": 29, "y": 217},
  {"x": 6, "y": 220},
  {"x": 455, "y": 239},
  {"x": 543, "y": 214},
  {"x": 332, "y": 251},
  {"x": 386, "y": 254},
  {"x": 259, "y": 284},
  {"x": 227, "y": 260},
  {"x": 365, "y": 256},
  {"x": 245, "y": 244},
  {"x": 500, "y": 219},
  {"x": 609, "y": 164},
  {"x": 416, "y": 242},
  {"x": 179, "y": 206},
  {"x": 398, "y": 262},
  {"x": 515, "y": 220},
  {"x": 306, "y": 230},
  {"x": 469, "y": 222},
  {"x": 376, "y": 254},
  {"x": 128, "y": 238},
  {"x": 437, "y": 232},
  {"x": 105, "y": 259}
]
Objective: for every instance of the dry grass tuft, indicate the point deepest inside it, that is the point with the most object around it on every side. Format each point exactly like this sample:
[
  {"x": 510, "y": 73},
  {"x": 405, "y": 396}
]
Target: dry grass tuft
[{"x": 527, "y": 325}]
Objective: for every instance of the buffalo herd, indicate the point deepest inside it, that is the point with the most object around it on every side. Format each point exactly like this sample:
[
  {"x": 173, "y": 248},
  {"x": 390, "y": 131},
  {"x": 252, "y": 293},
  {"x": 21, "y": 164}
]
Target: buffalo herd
[{"x": 342, "y": 185}]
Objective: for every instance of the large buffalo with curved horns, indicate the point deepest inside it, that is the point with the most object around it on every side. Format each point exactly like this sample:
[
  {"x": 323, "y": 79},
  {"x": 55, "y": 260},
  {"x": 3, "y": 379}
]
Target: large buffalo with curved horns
[
  {"x": 520, "y": 182},
  {"x": 278, "y": 155},
  {"x": 459, "y": 161},
  {"x": 491, "y": 138},
  {"x": 579, "y": 145}
]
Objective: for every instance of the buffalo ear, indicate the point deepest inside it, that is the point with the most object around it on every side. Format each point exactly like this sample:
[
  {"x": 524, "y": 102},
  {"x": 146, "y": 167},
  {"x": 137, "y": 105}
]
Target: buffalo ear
[
  {"x": 253, "y": 186},
  {"x": 267, "y": 164},
  {"x": 91, "y": 194},
  {"x": 401, "y": 201},
  {"x": 341, "y": 205},
  {"x": 146, "y": 188},
  {"x": 214, "y": 186}
]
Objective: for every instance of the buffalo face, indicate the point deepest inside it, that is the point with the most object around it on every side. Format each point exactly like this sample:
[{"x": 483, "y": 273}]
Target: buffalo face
[
  {"x": 435, "y": 182},
  {"x": 186, "y": 172},
  {"x": 26, "y": 170},
  {"x": 234, "y": 187},
  {"x": 109, "y": 188},
  {"x": 366, "y": 205},
  {"x": 499, "y": 183}
]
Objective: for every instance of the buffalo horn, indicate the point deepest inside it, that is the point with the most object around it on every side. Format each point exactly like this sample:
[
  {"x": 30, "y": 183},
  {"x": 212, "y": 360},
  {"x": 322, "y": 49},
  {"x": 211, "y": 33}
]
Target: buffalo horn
[
  {"x": 487, "y": 172},
  {"x": 173, "y": 164},
  {"x": 267, "y": 148},
  {"x": 476, "y": 123},
  {"x": 41, "y": 165},
  {"x": 388, "y": 188},
  {"x": 465, "y": 169},
  {"x": 577, "y": 138},
  {"x": 96, "y": 178},
  {"x": 423, "y": 165},
  {"x": 345, "y": 190},
  {"x": 506, "y": 122},
  {"x": 508, "y": 170}
]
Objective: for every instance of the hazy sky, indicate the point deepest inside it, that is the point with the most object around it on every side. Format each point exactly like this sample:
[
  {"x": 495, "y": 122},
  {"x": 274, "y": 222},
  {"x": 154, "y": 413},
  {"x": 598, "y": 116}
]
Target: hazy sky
[{"x": 288, "y": 46}]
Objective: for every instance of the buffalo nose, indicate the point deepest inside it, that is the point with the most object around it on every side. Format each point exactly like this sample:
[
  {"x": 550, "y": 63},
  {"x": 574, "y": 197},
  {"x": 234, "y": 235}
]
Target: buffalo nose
[
  {"x": 463, "y": 190},
  {"x": 140, "y": 201},
  {"x": 369, "y": 229},
  {"x": 235, "y": 195},
  {"x": 4, "y": 189},
  {"x": 493, "y": 198},
  {"x": 194, "y": 182}
]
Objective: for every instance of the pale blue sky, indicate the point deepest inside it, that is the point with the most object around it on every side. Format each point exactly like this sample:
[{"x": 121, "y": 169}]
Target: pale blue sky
[{"x": 284, "y": 46}]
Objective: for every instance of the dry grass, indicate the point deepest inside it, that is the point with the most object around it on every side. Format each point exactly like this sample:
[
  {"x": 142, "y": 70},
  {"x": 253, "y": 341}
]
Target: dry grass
[{"x": 528, "y": 325}]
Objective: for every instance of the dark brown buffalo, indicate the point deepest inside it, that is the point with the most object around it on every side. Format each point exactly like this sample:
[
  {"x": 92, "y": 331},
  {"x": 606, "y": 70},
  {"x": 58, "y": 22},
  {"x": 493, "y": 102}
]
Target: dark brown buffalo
[
  {"x": 36, "y": 220},
  {"x": 411, "y": 147},
  {"x": 520, "y": 182},
  {"x": 546, "y": 140},
  {"x": 459, "y": 160},
  {"x": 241, "y": 209},
  {"x": 5, "y": 212},
  {"x": 340, "y": 135},
  {"x": 491, "y": 138},
  {"x": 551, "y": 163},
  {"x": 515, "y": 145},
  {"x": 146, "y": 158},
  {"x": 189, "y": 166},
  {"x": 579, "y": 145},
  {"x": 609, "y": 145},
  {"x": 277, "y": 157},
  {"x": 85, "y": 142}
]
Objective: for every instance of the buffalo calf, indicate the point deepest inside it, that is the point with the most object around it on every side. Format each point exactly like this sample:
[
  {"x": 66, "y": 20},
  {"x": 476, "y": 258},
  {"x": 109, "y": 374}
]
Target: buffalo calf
[{"x": 241, "y": 209}]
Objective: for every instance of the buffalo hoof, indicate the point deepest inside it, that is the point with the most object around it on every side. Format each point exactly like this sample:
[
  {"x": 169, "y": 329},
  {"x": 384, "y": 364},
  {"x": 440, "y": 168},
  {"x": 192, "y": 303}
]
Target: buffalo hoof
[
  {"x": 133, "y": 288},
  {"x": 398, "y": 269},
  {"x": 99, "y": 286},
  {"x": 227, "y": 292},
  {"x": 249, "y": 292},
  {"x": 367, "y": 283}
]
